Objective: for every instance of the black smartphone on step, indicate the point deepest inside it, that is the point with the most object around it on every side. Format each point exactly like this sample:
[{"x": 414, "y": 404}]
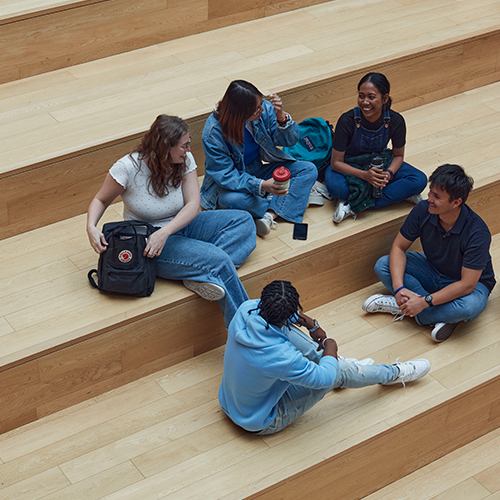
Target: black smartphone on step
[{"x": 300, "y": 231}]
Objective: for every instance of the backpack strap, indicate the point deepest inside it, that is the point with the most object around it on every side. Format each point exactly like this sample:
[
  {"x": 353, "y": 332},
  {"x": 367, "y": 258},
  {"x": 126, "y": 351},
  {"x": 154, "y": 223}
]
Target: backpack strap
[{"x": 91, "y": 279}]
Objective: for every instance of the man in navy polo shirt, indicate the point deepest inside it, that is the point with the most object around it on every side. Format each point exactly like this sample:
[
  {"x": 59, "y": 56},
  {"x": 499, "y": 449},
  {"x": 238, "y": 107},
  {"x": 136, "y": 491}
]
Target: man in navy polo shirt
[{"x": 451, "y": 281}]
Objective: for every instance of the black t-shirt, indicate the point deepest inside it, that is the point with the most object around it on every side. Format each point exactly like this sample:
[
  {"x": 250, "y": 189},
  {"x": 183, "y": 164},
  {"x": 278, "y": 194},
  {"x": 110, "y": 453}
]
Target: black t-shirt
[
  {"x": 344, "y": 130},
  {"x": 466, "y": 244}
]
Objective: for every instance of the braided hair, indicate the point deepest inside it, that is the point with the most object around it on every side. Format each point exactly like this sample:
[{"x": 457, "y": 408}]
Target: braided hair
[{"x": 279, "y": 301}]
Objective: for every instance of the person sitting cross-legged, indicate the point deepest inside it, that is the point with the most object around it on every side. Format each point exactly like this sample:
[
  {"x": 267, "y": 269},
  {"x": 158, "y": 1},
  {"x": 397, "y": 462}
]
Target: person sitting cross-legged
[
  {"x": 452, "y": 279},
  {"x": 273, "y": 372}
]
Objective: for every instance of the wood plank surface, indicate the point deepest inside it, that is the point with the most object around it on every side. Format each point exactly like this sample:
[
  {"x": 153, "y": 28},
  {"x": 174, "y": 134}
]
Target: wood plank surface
[
  {"x": 48, "y": 309},
  {"x": 165, "y": 436},
  {"x": 67, "y": 346},
  {"x": 79, "y": 124},
  {"x": 39, "y": 36}
]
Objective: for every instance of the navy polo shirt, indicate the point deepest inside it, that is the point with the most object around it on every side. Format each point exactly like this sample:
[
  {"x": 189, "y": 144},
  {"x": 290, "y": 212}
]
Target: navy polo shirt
[{"x": 466, "y": 244}]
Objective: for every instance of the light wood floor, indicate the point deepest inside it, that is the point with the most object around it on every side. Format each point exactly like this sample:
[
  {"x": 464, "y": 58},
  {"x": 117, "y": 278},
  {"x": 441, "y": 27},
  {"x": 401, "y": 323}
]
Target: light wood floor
[
  {"x": 164, "y": 436},
  {"x": 88, "y": 104},
  {"x": 469, "y": 473},
  {"x": 43, "y": 272}
]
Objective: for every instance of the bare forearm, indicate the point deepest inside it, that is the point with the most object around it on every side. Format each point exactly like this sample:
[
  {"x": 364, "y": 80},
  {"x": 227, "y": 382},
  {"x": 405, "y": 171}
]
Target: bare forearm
[
  {"x": 397, "y": 266},
  {"x": 451, "y": 292},
  {"x": 186, "y": 215},
  {"x": 395, "y": 165},
  {"x": 95, "y": 212},
  {"x": 346, "y": 169}
]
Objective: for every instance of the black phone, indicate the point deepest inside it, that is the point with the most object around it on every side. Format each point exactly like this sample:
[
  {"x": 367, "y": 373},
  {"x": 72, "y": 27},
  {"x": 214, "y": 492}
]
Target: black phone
[{"x": 300, "y": 231}]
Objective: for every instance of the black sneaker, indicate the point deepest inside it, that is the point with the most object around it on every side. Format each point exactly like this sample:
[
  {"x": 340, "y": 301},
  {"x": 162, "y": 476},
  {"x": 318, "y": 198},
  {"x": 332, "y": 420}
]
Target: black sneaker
[{"x": 443, "y": 331}]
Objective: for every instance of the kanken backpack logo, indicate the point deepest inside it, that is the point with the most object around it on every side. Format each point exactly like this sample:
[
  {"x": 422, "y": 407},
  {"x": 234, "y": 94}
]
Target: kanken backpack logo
[
  {"x": 125, "y": 256},
  {"x": 122, "y": 268}
]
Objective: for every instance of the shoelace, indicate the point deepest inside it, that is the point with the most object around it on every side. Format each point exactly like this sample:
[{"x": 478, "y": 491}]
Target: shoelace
[
  {"x": 274, "y": 224},
  {"x": 402, "y": 381},
  {"x": 398, "y": 316}
]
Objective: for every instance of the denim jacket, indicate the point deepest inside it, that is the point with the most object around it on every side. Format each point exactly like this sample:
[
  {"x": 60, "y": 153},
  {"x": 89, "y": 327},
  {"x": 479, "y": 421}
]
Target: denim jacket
[{"x": 224, "y": 165}]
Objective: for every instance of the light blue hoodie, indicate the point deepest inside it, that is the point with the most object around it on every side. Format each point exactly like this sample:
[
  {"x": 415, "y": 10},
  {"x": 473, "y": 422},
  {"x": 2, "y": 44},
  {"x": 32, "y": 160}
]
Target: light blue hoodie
[{"x": 260, "y": 365}]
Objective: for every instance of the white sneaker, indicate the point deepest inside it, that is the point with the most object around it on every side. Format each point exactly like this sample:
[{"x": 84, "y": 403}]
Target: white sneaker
[
  {"x": 416, "y": 199},
  {"x": 265, "y": 224},
  {"x": 383, "y": 303},
  {"x": 342, "y": 211},
  {"x": 316, "y": 196},
  {"x": 410, "y": 371},
  {"x": 206, "y": 290},
  {"x": 362, "y": 362},
  {"x": 443, "y": 331}
]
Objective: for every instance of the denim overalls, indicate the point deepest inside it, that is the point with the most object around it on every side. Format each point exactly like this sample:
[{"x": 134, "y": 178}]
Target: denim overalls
[
  {"x": 407, "y": 181},
  {"x": 365, "y": 140}
]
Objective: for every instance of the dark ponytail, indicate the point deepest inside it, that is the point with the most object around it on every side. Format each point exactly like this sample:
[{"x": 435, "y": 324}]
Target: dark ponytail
[{"x": 381, "y": 83}]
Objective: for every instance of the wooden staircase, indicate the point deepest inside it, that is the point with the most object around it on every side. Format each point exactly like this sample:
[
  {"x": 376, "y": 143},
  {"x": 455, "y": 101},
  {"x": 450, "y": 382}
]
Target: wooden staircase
[{"x": 64, "y": 344}]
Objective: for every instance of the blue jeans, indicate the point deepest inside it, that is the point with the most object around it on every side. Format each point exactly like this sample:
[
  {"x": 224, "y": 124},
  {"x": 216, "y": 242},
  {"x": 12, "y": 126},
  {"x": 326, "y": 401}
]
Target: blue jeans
[
  {"x": 298, "y": 399},
  {"x": 420, "y": 277},
  {"x": 209, "y": 249},
  {"x": 407, "y": 182},
  {"x": 290, "y": 207}
]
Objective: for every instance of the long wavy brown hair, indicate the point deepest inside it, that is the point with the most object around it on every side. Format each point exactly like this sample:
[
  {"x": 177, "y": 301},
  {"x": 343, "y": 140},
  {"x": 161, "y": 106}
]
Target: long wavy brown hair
[
  {"x": 236, "y": 107},
  {"x": 154, "y": 150}
]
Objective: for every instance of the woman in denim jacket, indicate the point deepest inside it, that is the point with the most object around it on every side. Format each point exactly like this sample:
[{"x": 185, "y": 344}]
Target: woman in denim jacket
[{"x": 240, "y": 140}]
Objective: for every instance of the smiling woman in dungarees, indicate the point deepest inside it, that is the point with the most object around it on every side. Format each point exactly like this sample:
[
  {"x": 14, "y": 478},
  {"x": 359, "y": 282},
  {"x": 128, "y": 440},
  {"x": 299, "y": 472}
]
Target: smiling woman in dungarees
[{"x": 364, "y": 131}]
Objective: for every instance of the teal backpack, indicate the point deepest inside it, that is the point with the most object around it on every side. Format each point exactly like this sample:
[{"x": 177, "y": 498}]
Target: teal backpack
[{"x": 315, "y": 143}]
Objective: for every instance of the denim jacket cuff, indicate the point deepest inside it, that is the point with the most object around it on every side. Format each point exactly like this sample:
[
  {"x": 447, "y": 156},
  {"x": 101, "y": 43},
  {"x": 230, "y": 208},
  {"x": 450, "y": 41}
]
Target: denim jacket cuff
[
  {"x": 288, "y": 122},
  {"x": 262, "y": 193}
]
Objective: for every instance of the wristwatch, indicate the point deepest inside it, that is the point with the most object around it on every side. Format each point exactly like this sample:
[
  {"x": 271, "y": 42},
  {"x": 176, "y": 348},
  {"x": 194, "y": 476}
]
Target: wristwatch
[
  {"x": 428, "y": 299},
  {"x": 315, "y": 327}
]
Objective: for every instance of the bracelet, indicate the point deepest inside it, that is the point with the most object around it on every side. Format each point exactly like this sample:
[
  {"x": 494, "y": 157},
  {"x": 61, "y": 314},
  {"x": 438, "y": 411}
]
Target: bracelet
[
  {"x": 324, "y": 340},
  {"x": 399, "y": 289},
  {"x": 315, "y": 327},
  {"x": 390, "y": 174}
]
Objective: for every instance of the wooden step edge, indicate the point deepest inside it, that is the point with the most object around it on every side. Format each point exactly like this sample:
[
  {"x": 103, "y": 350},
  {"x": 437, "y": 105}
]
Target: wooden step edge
[
  {"x": 15, "y": 15},
  {"x": 287, "y": 93},
  {"x": 320, "y": 257}
]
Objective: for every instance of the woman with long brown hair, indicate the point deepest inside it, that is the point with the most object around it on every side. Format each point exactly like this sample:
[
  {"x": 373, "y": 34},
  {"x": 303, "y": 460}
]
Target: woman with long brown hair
[
  {"x": 158, "y": 184},
  {"x": 241, "y": 140}
]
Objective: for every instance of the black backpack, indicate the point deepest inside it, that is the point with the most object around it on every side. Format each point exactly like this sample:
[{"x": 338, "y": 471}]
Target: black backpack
[{"x": 122, "y": 268}]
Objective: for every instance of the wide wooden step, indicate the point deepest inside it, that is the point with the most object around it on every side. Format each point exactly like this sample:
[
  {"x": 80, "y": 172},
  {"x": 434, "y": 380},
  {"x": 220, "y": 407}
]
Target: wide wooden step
[
  {"x": 61, "y": 131},
  {"x": 165, "y": 436},
  {"x": 39, "y": 36},
  {"x": 468, "y": 473},
  {"x": 62, "y": 341}
]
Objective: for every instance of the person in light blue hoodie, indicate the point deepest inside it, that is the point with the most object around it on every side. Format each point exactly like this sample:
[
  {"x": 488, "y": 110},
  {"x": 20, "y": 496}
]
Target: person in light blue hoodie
[{"x": 273, "y": 372}]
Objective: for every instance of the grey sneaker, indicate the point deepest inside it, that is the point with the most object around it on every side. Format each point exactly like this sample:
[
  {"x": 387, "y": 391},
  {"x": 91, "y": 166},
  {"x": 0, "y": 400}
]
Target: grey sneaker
[
  {"x": 443, "y": 331},
  {"x": 410, "y": 371},
  {"x": 416, "y": 199},
  {"x": 265, "y": 224},
  {"x": 362, "y": 362},
  {"x": 342, "y": 211},
  {"x": 316, "y": 196},
  {"x": 206, "y": 290},
  {"x": 383, "y": 303}
]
